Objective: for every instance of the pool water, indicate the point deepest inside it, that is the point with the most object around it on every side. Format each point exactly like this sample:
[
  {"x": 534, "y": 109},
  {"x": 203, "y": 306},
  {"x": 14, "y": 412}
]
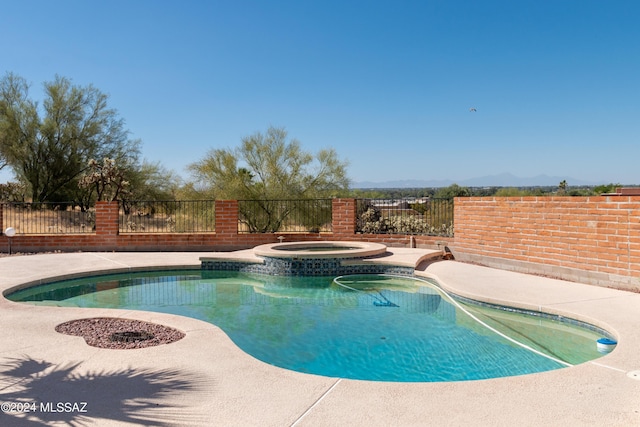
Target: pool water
[
  {"x": 318, "y": 248},
  {"x": 377, "y": 328}
]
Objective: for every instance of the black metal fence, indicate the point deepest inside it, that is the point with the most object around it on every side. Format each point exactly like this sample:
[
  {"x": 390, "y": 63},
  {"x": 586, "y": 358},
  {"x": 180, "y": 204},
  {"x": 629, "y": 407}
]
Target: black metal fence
[
  {"x": 172, "y": 216},
  {"x": 47, "y": 218},
  {"x": 423, "y": 216},
  {"x": 290, "y": 216}
]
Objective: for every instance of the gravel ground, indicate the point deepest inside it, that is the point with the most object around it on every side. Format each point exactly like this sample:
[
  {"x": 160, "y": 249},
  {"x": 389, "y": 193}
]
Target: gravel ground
[{"x": 129, "y": 334}]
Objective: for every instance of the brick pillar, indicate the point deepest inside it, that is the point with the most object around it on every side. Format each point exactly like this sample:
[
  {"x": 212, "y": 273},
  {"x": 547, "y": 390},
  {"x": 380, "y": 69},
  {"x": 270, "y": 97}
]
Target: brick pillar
[
  {"x": 227, "y": 219},
  {"x": 107, "y": 218},
  {"x": 344, "y": 217}
]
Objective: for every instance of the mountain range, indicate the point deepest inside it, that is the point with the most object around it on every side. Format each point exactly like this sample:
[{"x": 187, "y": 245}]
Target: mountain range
[{"x": 500, "y": 180}]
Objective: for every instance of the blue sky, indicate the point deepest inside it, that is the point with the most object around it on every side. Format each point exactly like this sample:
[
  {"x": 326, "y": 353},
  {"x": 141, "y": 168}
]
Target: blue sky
[{"x": 388, "y": 84}]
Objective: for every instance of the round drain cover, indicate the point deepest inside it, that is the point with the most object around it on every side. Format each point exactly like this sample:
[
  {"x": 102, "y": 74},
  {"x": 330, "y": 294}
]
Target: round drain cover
[
  {"x": 634, "y": 375},
  {"x": 131, "y": 336}
]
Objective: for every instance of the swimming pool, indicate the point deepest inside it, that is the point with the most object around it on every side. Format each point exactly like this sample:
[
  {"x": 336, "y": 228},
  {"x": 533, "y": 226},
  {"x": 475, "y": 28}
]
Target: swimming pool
[{"x": 369, "y": 327}]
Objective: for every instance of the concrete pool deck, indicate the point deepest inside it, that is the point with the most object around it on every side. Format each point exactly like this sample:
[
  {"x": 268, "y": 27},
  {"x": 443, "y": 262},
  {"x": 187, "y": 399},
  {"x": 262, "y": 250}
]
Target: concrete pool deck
[{"x": 204, "y": 379}]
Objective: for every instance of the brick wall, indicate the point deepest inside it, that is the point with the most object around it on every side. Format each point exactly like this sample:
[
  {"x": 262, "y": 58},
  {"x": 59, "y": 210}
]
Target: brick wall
[
  {"x": 344, "y": 218},
  {"x": 589, "y": 239}
]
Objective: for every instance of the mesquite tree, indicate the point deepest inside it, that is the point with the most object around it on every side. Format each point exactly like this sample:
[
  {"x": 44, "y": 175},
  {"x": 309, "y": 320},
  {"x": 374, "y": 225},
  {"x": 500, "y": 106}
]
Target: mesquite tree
[
  {"x": 49, "y": 146},
  {"x": 267, "y": 168}
]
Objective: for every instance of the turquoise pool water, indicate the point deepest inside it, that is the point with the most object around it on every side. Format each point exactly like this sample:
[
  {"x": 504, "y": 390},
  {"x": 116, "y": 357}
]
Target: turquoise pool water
[{"x": 378, "y": 328}]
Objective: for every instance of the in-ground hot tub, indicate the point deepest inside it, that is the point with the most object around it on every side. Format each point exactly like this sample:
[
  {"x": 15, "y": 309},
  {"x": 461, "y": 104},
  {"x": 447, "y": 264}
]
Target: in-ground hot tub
[
  {"x": 319, "y": 258},
  {"x": 320, "y": 250}
]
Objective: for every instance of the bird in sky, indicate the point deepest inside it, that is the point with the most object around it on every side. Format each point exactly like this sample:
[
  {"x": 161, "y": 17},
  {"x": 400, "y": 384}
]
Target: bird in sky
[{"x": 472, "y": 110}]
